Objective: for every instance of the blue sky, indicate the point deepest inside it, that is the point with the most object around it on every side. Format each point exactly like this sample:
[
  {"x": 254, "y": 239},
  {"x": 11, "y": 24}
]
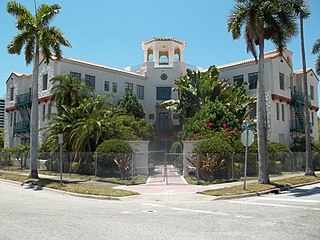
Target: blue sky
[{"x": 109, "y": 32}]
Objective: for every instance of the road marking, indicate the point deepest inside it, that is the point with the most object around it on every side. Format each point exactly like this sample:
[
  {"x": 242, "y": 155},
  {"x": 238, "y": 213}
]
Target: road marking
[
  {"x": 291, "y": 200},
  {"x": 126, "y": 212},
  {"x": 275, "y": 205},
  {"x": 193, "y": 210}
]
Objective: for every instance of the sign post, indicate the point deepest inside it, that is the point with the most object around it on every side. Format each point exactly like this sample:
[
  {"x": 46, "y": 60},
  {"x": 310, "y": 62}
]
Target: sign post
[
  {"x": 60, "y": 140},
  {"x": 247, "y": 138}
]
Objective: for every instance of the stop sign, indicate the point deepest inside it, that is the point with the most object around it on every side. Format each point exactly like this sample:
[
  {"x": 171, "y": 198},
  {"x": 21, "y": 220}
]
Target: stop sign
[{"x": 244, "y": 135}]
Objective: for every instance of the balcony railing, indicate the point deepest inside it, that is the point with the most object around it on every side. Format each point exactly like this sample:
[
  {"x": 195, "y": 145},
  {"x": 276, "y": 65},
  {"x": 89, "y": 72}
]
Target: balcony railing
[
  {"x": 299, "y": 97},
  {"x": 23, "y": 99},
  {"x": 21, "y": 127}
]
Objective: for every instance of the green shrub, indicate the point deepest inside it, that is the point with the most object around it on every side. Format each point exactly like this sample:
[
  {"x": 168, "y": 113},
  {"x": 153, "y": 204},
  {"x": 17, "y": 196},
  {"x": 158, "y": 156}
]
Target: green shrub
[
  {"x": 214, "y": 145},
  {"x": 238, "y": 147},
  {"x": 279, "y": 157},
  {"x": 213, "y": 156},
  {"x": 114, "y": 157},
  {"x": 315, "y": 146}
]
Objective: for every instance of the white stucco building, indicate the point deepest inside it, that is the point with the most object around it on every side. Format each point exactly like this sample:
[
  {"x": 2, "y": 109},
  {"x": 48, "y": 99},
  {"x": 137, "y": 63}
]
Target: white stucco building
[{"x": 152, "y": 82}]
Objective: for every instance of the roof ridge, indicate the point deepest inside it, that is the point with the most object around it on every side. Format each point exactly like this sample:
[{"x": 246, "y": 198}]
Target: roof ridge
[
  {"x": 249, "y": 60},
  {"x": 102, "y": 66}
]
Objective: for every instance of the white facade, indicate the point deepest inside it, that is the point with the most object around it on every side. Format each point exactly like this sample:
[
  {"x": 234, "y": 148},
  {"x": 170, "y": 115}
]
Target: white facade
[
  {"x": 2, "y": 107},
  {"x": 282, "y": 85},
  {"x": 152, "y": 82}
]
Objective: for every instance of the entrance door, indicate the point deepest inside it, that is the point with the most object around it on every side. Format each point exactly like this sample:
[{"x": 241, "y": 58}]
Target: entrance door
[{"x": 163, "y": 121}]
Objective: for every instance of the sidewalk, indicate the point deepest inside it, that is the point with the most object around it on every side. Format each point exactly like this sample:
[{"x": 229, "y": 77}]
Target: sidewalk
[
  {"x": 158, "y": 188},
  {"x": 173, "y": 188}
]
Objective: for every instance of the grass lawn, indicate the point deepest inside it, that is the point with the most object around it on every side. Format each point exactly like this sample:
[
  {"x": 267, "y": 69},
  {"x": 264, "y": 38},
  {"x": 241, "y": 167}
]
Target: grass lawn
[
  {"x": 140, "y": 179},
  {"x": 192, "y": 179},
  {"x": 256, "y": 187},
  {"x": 68, "y": 187}
]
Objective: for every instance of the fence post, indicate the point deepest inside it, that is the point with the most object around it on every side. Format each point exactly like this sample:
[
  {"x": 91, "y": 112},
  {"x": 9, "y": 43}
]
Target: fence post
[
  {"x": 197, "y": 168},
  {"x": 132, "y": 166},
  {"x": 232, "y": 168},
  {"x": 96, "y": 166}
]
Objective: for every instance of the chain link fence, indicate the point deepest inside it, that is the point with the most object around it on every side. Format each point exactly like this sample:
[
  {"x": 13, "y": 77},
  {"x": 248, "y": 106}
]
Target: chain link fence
[{"x": 127, "y": 166}]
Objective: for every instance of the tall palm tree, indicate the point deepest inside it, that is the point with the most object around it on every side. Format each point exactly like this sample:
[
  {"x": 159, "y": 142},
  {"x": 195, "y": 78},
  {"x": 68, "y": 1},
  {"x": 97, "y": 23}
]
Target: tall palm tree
[
  {"x": 316, "y": 50},
  {"x": 261, "y": 20},
  {"x": 68, "y": 91},
  {"x": 37, "y": 37},
  {"x": 301, "y": 9}
]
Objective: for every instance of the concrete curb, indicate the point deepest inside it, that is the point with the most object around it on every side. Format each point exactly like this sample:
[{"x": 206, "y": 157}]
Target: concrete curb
[
  {"x": 98, "y": 197},
  {"x": 254, "y": 194}
]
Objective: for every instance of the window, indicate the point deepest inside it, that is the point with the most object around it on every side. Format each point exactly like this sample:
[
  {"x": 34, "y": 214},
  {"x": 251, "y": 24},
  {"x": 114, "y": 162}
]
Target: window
[
  {"x": 106, "y": 86},
  {"x": 11, "y": 119},
  {"x": 282, "y": 111},
  {"x": 253, "y": 107},
  {"x": 281, "y": 81},
  {"x": 90, "y": 81},
  {"x": 49, "y": 111},
  {"x": 44, "y": 82},
  {"x": 44, "y": 112},
  {"x": 140, "y": 92},
  {"x": 151, "y": 116},
  {"x": 312, "y": 119},
  {"x": 128, "y": 86},
  {"x": 76, "y": 75},
  {"x": 277, "y": 109},
  {"x": 281, "y": 138},
  {"x": 114, "y": 87},
  {"x": 311, "y": 92},
  {"x": 253, "y": 79},
  {"x": 163, "y": 93},
  {"x": 238, "y": 80},
  {"x": 11, "y": 93}
]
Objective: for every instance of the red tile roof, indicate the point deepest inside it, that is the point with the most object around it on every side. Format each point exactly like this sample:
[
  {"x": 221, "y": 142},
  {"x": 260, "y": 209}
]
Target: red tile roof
[
  {"x": 102, "y": 66},
  {"x": 267, "y": 55}
]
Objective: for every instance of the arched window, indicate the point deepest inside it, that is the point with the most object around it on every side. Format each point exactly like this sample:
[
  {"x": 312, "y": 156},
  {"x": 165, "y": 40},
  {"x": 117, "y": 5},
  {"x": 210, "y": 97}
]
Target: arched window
[
  {"x": 150, "y": 55},
  {"x": 177, "y": 54},
  {"x": 163, "y": 60}
]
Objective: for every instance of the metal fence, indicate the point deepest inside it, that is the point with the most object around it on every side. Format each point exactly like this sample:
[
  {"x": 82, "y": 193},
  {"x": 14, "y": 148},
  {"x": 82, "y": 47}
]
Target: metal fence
[{"x": 206, "y": 167}]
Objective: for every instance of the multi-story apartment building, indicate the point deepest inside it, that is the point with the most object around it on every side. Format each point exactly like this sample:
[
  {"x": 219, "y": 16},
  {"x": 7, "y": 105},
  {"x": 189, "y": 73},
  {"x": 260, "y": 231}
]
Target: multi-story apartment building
[
  {"x": 2, "y": 108},
  {"x": 284, "y": 94},
  {"x": 152, "y": 82}
]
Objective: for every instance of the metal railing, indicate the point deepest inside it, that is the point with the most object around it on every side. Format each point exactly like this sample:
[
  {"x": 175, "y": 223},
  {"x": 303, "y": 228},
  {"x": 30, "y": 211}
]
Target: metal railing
[{"x": 24, "y": 98}]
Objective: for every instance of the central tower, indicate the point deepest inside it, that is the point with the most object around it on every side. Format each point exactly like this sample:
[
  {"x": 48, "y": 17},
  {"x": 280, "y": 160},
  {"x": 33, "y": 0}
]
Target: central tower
[{"x": 163, "y": 51}]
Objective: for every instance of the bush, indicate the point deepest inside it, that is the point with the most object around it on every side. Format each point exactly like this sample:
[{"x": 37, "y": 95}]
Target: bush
[
  {"x": 213, "y": 158},
  {"x": 279, "y": 157},
  {"x": 114, "y": 156}
]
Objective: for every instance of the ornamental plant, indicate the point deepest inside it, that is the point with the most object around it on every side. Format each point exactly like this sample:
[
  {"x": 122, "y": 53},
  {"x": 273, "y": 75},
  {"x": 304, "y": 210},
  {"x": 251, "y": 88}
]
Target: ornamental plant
[{"x": 213, "y": 158}]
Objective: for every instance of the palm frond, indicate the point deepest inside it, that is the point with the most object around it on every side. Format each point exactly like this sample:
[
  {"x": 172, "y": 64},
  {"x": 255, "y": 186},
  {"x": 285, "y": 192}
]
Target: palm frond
[
  {"x": 316, "y": 47},
  {"x": 46, "y": 14}
]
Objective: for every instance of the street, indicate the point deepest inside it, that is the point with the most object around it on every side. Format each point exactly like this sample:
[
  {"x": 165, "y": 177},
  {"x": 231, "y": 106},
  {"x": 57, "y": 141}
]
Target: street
[{"x": 42, "y": 214}]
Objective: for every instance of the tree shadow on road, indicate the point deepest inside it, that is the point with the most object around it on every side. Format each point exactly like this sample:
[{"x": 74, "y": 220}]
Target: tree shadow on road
[{"x": 296, "y": 192}]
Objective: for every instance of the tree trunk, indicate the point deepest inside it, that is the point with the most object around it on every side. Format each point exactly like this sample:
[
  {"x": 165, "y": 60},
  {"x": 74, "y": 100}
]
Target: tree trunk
[
  {"x": 309, "y": 167},
  {"x": 34, "y": 119},
  {"x": 262, "y": 119}
]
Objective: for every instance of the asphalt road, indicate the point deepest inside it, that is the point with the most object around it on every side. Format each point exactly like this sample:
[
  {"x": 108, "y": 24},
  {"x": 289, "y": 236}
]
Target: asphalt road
[{"x": 41, "y": 214}]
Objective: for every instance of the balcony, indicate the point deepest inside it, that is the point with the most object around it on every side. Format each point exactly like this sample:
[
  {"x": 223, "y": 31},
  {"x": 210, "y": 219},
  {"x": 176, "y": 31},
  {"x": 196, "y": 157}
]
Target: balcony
[
  {"x": 23, "y": 99},
  {"x": 298, "y": 97},
  {"x": 21, "y": 127}
]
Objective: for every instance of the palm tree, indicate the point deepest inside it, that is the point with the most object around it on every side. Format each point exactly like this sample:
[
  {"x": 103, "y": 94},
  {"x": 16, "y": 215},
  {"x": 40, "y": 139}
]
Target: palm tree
[
  {"x": 261, "y": 20},
  {"x": 68, "y": 91},
  {"x": 131, "y": 104},
  {"x": 38, "y": 37},
  {"x": 316, "y": 50},
  {"x": 301, "y": 9}
]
